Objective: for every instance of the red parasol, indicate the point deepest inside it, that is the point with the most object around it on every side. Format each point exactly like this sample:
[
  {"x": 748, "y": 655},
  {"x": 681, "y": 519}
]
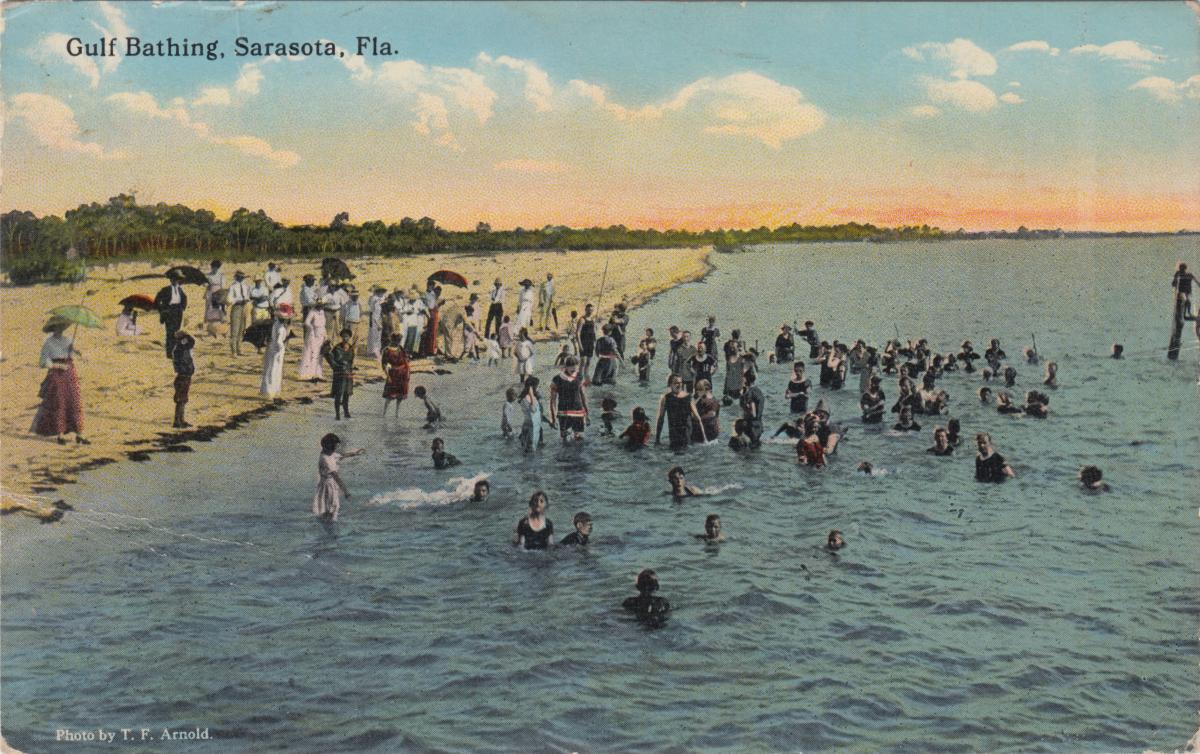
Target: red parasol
[
  {"x": 449, "y": 277},
  {"x": 138, "y": 301}
]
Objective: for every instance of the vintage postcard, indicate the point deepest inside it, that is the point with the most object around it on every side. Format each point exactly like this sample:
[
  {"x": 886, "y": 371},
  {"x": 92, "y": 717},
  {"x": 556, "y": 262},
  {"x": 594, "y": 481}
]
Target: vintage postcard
[{"x": 599, "y": 377}]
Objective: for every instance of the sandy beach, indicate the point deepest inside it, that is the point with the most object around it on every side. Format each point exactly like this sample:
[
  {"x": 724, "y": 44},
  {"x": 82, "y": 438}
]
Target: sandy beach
[{"x": 126, "y": 383}]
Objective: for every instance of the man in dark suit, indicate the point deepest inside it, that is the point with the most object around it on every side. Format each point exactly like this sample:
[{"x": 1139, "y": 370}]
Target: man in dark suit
[{"x": 170, "y": 302}]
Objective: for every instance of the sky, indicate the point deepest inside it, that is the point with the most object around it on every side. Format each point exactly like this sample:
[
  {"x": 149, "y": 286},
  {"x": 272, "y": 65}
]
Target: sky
[{"x": 667, "y": 115}]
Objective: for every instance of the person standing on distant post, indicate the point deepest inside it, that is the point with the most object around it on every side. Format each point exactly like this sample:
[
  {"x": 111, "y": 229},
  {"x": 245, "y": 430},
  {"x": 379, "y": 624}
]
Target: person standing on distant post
[
  {"x": 171, "y": 302},
  {"x": 495, "y": 309},
  {"x": 546, "y": 302},
  {"x": 237, "y": 299}
]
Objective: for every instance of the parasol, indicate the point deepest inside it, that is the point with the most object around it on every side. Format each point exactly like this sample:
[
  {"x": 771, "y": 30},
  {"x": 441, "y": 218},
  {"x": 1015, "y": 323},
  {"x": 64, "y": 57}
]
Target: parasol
[
  {"x": 138, "y": 301},
  {"x": 335, "y": 269},
  {"x": 186, "y": 274},
  {"x": 76, "y": 315},
  {"x": 448, "y": 277}
]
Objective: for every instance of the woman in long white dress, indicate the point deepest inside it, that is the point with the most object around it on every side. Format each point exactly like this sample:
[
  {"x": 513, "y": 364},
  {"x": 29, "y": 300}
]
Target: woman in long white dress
[
  {"x": 525, "y": 301},
  {"x": 375, "y": 328},
  {"x": 272, "y": 379},
  {"x": 314, "y": 338}
]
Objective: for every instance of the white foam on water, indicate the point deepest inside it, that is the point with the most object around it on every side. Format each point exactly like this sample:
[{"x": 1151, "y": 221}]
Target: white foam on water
[{"x": 414, "y": 497}]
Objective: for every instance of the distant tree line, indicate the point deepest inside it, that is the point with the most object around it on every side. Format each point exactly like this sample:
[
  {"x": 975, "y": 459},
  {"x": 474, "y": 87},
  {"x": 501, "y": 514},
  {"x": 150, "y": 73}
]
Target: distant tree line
[{"x": 47, "y": 248}]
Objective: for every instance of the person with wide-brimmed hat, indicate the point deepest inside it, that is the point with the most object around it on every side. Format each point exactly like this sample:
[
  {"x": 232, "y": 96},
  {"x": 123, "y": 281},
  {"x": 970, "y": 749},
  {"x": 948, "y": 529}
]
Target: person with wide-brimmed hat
[
  {"x": 237, "y": 298},
  {"x": 61, "y": 410},
  {"x": 171, "y": 302},
  {"x": 525, "y": 299}
]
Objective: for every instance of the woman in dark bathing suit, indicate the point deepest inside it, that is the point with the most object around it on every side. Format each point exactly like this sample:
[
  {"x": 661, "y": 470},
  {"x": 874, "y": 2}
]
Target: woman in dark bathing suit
[
  {"x": 797, "y": 389},
  {"x": 990, "y": 466},
  {"x": 708, "y": 409},
  {"x": 676, "y": 408},
  {"x": 534, "y": 531},
  {"x": 872, "y": 403}
]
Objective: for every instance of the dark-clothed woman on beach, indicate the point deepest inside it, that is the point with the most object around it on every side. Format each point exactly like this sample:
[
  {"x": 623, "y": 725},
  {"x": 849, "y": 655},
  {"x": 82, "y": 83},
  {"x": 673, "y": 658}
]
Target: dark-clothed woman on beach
[{"x": 61, "y": 410}]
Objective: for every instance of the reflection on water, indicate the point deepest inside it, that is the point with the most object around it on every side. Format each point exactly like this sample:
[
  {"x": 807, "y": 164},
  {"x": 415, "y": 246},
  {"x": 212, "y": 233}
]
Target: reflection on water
[{"x": 1019, "y": 617}]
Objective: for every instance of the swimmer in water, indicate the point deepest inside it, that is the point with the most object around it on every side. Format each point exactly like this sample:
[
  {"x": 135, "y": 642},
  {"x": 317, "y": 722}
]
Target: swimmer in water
[
  {"x": 1051, "y": 380},
  {"x": 740, "y": 439},
  {"x": 906, "y": 423},
  {"x": 811, "y": 451},
  {"x": 433, "y": 414},
  {"x": 679, "y": 486},
  {"x": 1118, "y": 351},
  {"x": 985, "y": 395},
  {"x": 986, "y": 374},
  {"x": 793, "y": 429},
  {"x": 481, "y": 491},
  {"x": 637, "y": 434},
  {"x": 648, "y": 608},
  {"x": 835, "y": 541},
  {"x": 608, "y": 413},
  {"x": 797, "y": 389},
  {"x": 864, "y": 467},
  {"x": 534, "y": 531},
  {"x": 1031, "y": 356},
  {"x": 1004, "y": 404},
  {"x": 872, "y": 403},
  {"x": 1010, "y": 376},
  {"x": 1036, "y": 404},
  {"x": 712, "y": 530},
  {"x": 953, "y": 432},
  {"x": 941, "y": 443},
  {"x": 990, "y": 466},
  {"x": 441, "y": 459},
  {"x": 509, "y": 413},
  {"x": 583, "y": 530},
  {"x": 1091, "y": 478}
]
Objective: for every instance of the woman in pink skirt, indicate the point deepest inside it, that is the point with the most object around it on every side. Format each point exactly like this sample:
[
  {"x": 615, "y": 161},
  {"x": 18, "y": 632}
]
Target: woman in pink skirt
[{"x": 62, "y": 407}]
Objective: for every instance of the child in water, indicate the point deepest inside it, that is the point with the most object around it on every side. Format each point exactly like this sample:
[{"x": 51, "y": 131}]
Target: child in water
[
  {"x": 1010, "y": 376},
  {"x": 583, "y": 530},
  {"x": 1091, "y": 478},
  {"x": 509, "y": 413},
  {"x": 441, "y": 459},
  {"x": 433, "y": 414},
  {"x": 608, "y": 408},
  {"x": 712, "y": 530},
  {"x": 637, "y": 434},
  {"x": 642, "y": 361},
  {"x": 648, "y": 609},
  {"x": 327, "y": 500},
  {"x": 740, "y": 440},
  {"x": 679, "y": 486},
  {"x": 985, "y": 395},
  {"x": 1051, "y": 380},
  {"x": 835, "y": 541}
]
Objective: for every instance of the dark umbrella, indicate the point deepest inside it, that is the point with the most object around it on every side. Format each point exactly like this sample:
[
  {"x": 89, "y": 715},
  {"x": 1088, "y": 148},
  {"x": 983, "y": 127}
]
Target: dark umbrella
[
  {"x": 186, "y": 275},
  {"x": 449, "y": 277},
  {"x": 335, "y": 269},
  {"x": 138, "y": 301},
  {"x": 259, "y": 333}
]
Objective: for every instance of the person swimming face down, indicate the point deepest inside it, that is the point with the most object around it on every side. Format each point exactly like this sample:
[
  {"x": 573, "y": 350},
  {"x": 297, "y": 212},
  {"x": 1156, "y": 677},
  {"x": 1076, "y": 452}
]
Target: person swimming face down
[{"x": 481, "y": 491}]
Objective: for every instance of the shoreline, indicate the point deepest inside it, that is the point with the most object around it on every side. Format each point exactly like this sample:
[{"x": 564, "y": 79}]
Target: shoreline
[{"x": 224, "y": 391}]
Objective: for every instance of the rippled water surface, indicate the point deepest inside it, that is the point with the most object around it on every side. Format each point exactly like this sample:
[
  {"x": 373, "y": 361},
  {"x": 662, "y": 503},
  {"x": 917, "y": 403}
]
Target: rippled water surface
[{"x": 196, "y": 590}]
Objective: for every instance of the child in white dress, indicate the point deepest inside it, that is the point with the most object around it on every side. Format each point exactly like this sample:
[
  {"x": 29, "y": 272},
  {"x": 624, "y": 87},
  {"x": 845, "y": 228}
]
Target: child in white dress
[{"x": 327, "y": 500}]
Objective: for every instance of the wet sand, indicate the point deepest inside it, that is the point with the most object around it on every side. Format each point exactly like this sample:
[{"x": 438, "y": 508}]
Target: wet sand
[{"x": 127, "y": 383}]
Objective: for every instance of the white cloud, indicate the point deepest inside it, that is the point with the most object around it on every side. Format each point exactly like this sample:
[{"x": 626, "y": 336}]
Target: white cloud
[
  {"x": 52, "y": 122},
  {"x": 429, "y": 92},
  {"x": 964, "y": 94},
  {"x": 143, "y": 103},
  {"x": 1014, "y": 85},
  {"x": 538, "y": 89},
  {"x": 54, "y": 47},
  {"x": 114, "y": 26},
  {"x": 743, "y": 104},
  {"x": 925, "y": 111},
  {"x": 1011, "y": 98},
  {"x": 1034, "y": 45},
  {"x": 532, "y": 166},
  {"x": 1126, "y": 51},
  {"x": 249, "y": 79},
  {"x": 213, "y": 96},
  {"x": 1167, "y": 90},
  {"x": 966, "y": 59}
]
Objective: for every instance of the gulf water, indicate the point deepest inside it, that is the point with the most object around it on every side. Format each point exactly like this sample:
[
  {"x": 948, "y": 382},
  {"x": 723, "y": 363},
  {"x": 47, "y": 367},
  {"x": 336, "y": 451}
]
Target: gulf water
[{"x": 197, "y": 590}]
